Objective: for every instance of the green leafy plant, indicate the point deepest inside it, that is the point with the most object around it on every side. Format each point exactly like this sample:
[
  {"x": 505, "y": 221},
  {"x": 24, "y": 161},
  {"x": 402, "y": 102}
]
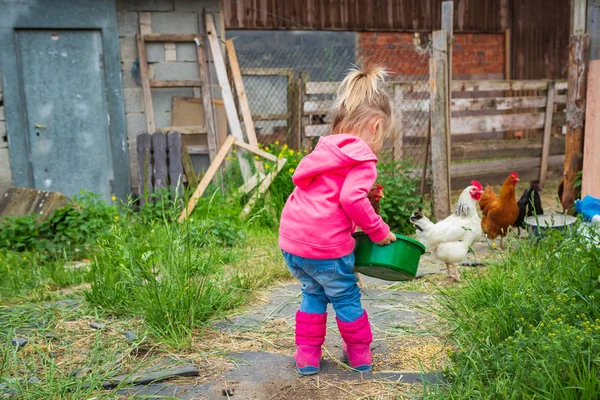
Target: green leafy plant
[{"x": 400, "y": 190}]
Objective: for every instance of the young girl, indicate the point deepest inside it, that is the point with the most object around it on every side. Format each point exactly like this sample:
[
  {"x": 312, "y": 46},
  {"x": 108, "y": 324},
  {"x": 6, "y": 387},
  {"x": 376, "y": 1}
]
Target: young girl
[{"x": 329, "y": 201}]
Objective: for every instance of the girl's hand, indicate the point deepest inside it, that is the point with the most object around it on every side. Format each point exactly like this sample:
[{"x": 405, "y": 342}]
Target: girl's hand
[{"x": 389, "y": 239}]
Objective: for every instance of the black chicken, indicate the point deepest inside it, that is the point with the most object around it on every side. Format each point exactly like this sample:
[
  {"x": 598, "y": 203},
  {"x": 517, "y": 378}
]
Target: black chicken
[{"x": 525, "y": 205}]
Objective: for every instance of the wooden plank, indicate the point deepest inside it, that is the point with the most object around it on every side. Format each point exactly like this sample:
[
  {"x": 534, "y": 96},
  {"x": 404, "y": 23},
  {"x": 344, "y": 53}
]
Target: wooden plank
[
  {"x": 293, "y": 137},
  {"x": 497, "y": 123},
  {"x": 316, "y": 130},
  {"x": 203, "y": 150},
  {"x": 266, "y": 71},
  {"x": 144, "y": 153},
  {"x": 578, "y": 17},
  {"x": 185, "y": 130},
  {"x": 256, "y": 150},
  {"x": 242, "y": 99},
  {"x": 232, "y": 117},
  {"x": 488, "y": 167},
  {"x": 560, "y": 99},
  {"x": 159, "y": 160},
  {"x": 145, "y": 23},
  {"x": 174, "y": 151},
  {"x": 175, "y": 83},
  {"x": 576, "y": 97},
  {"x": 561, "y": 85},
  {"x": 208, "y": 176},
  {"x": 209, "y": 113},
  {"x": 170, "y": 52},
  {"x": 591, "y": 156},
  {"x": 188, "y": 167},
  {"x": 303, "y": 120},
  {"x": 398, "y": 98},
  {"x": 498, "y": 103},
  {"x": 252, "y": 183},
  {"x": 547, "y": 134},
  {"x": 20, "y": 202},
  {"x": 319, "y": 107},
  {"x": 170, "y": 37},
  {"x": 482, "y": 149},
  {"x": 263, "y": 187},
  {"x": 492, "y": 85},
  {"x": 269, "y": 117},
  {"x": 507, "y": 54},
  {"x": 145, "y": 78},
  {"x": 322, "y": 87},
  {"x": 439, "y": 128}
]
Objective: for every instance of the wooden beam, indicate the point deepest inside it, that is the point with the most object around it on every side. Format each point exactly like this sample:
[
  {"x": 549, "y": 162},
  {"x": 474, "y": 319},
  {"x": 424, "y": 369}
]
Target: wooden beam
[
  {"x": 156, "y": 83},
  {"x": 483, "y": 149},
  {"x": 242, "y": 99},
  {"x": 188, "y": 168},
  {"x": 252, "y": 183},
  {"x": 230, "y": 109},
  {"x": 144, "y": 154},
  {"x": 488, "y": 167},
  {"x": 438, "y": 73},
  {"x": 547, "y": 134},
  {"x": 576, "y": 96},
  {"x": 491, "y": 85},
  {"x": 208, "y": 176},
  {"x": 591, "y": 157},
  {"x": 207, "y": 104},
  {"x": 145, "y": 78},
  {"x": 170, "y": 37},
  {"x": 498, "y": 103},
  {"x": 497, "y": 123},
  {"x": 507, "y": 54},
  {"x": 175, "y": 164},
  {"x": 256, "y": 150},
  {"x": 185, "y": 130},
  {"x": 264, "y": 186},
  {"x": 578, "y": 17},
  {"x": 266, "y": 71}
]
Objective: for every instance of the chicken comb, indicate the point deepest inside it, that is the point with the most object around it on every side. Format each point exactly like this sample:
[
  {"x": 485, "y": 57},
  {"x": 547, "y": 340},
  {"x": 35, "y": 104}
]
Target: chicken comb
[
  {"x": 477, "y": 185},
  {"x": 378, "y": 186},
  {"x": 514, "y": 175}
]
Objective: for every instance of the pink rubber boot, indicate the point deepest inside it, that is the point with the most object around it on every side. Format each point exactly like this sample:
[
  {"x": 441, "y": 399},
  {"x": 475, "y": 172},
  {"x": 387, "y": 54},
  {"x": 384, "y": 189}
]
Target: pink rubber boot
[
  {"x": 357, "y": 342},
  {"x": 310, "y": 336}
]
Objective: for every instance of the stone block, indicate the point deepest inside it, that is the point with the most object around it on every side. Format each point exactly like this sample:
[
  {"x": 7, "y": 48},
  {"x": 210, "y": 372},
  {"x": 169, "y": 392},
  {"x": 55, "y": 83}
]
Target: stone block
[
  {"x": 128, "y": 22},
  {"x": 162, "y": 119},
  {"x": 134, "y": 100},
  {"x": 148, "y": 5},
  {"x": 136, "y": 124},
  {"x": 128, "y": 48},
  {"x": 174, "y": 22},
  {"x": 128, "y": 80},
  {"x": 175, "y": 70},
  {"x": 163, "y": 98},
  {"x": 5, "y": 173},
  {"x": 186, "y": 52},
  {"x": 155, "y": 52}
]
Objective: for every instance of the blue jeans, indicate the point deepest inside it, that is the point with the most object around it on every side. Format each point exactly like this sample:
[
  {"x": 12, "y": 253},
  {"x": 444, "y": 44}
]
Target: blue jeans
[{"x": 327, "y": 281}]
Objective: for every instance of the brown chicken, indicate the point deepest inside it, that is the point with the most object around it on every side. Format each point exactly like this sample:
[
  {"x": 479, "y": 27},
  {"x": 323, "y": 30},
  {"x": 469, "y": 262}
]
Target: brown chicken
[
  {"x": 499, "y": 212},
  {"x": 374, "y": 196}
]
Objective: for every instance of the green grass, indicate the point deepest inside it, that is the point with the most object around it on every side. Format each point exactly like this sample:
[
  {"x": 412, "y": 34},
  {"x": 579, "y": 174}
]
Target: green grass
[{"x": 529, "y": 327}]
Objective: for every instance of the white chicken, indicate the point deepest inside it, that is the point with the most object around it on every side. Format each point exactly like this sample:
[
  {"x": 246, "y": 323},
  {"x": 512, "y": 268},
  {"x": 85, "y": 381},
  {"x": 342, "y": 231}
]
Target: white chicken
[{"x": 450, "y": 239}]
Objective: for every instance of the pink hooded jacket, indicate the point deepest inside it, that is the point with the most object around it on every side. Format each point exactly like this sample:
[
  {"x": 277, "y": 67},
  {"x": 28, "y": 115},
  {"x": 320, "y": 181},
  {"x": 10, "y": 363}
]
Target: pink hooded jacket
[{"x": 330, "y": 200}]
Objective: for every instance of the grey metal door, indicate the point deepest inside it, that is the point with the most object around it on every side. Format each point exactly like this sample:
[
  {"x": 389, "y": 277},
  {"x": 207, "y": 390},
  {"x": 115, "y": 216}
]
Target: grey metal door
[{"x": 66, "y": 110}]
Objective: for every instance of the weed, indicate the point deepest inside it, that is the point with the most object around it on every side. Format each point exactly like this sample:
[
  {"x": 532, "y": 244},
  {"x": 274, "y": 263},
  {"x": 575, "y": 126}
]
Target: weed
[{"x": 530, "y": 326}]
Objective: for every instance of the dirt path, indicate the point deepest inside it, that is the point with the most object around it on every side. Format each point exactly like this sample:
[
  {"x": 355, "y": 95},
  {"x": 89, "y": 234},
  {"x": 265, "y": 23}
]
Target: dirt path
[{"x": 253, "y": 349}]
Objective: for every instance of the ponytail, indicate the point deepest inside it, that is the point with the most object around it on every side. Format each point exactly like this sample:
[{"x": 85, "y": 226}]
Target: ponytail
[
  {"x": 360, "y": 87},
  {"x": 360, "y": 98}
]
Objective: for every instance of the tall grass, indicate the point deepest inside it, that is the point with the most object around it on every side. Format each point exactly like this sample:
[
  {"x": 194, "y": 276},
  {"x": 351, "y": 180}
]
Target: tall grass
[
  {"x": 172, "y": 275},
  {"x": 529, "y": 327}
]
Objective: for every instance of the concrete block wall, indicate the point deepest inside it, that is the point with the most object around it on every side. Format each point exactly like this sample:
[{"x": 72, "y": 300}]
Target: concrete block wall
[
  {"x": 5, "y": 174},
  {"x": 167, "y": 16}
]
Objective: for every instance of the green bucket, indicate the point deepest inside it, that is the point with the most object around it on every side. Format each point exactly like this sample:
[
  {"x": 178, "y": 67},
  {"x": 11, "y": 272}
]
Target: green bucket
[{"x": 397, "y": 261}]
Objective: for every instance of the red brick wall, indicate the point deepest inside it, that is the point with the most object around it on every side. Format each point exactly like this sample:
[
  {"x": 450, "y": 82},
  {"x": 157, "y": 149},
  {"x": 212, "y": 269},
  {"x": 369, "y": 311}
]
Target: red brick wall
[{"x": 473, "y": 54}]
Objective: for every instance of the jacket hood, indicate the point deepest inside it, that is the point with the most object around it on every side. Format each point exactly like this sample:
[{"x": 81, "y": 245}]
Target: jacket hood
[{"x": 332, "y": 153}]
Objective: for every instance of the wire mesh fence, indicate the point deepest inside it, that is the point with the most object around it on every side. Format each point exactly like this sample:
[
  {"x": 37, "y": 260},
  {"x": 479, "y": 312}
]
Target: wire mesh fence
[{"x": 290, "y": 92}]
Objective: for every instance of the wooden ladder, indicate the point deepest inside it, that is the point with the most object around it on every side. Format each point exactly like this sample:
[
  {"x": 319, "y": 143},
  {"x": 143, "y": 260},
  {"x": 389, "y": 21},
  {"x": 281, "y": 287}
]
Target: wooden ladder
[{"x": 147, "y": 84}]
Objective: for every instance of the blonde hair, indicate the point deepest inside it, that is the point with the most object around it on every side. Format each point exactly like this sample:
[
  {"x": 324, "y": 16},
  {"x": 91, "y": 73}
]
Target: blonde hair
[{"x": 359, "y": 99}]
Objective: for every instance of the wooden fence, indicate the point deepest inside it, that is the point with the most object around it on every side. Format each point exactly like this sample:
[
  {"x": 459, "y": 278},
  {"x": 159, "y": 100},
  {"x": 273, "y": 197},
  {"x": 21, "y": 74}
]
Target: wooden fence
[{"x": 481, "y": 112}]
